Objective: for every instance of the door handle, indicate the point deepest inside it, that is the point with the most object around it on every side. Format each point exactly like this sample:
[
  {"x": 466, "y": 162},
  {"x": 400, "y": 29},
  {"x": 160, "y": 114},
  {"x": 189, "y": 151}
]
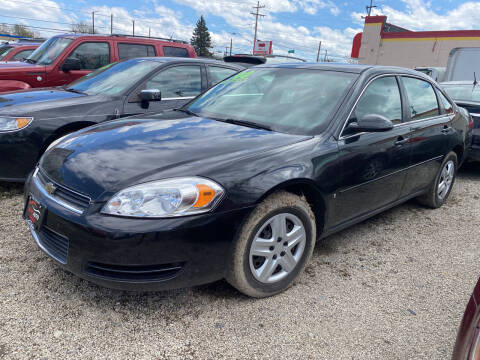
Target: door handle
[
  {"x": 401, "y": 141},
  {"x": 446, "y": 129}
]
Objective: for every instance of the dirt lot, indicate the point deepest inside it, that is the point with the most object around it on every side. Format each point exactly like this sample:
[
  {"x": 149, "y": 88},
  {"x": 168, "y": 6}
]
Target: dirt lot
[{"x": 393, "y": 287}]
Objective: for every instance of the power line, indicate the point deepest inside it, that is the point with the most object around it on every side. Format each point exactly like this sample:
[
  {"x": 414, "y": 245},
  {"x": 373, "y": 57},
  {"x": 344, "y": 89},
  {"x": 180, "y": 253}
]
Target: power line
[{"x": 39, "y": 20}]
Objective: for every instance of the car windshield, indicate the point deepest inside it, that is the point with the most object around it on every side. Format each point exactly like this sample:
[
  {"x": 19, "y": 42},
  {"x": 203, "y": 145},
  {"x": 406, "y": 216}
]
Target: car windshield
[
  {"x": 463, "y": 92},
  {"x": 4, "y": 50},
  {"x": 288, "y": 100},
  {"x": 113, "y": 79},
  {"x": 49, "y": 51}
]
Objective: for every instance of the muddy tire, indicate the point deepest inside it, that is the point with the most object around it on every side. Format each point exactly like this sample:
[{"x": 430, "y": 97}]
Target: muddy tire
[
  {"x": 272, "y": 246},
  {"x": 440, "y": 189}
]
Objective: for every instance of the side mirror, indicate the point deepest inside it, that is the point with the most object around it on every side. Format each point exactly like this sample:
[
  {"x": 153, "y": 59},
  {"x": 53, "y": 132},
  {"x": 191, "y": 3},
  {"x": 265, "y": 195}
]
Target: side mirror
[
  {"x": 146, "y": 96},
  {"x": 71, "y": 64},
  {"x": 371, "y": 123}
]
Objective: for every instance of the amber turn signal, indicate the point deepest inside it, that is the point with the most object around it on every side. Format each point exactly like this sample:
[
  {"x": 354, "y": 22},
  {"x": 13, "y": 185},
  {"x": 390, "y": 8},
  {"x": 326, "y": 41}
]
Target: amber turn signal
[{"x": 205, "y": 195}]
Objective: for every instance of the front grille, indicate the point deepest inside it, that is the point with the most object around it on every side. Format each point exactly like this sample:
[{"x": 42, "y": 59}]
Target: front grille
[
  {"x": 53, "y": 244},
  {"x": 64, "y": 196},
  {"x": 130, "y": 273}
]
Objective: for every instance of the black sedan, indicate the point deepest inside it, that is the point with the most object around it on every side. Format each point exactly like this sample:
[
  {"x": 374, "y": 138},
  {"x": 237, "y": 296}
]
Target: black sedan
[
  {"x": 242, "y": 182},
  {"x": 467, "y": 95},
  {"x": 30, "y": 120}
]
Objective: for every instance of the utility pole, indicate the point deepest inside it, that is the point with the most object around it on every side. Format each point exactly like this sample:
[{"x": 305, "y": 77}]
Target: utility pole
[
  {"x": 93, "y": 22},
  {"x": 111, "y": 24},
  {"x": 326, "y": 54},
  {"x": 369, "y": 8},
  {"x": 133, "y": 30},
  {"x": 231, "y": 45},
  {"x": 256, "y": 14},
  {"x": 149, "y": 31},
  {"x": 318, "y": 53}
]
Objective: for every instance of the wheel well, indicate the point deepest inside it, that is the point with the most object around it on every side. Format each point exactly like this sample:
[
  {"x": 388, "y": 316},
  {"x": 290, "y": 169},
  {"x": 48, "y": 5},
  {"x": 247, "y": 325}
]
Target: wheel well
[
  {"x": 459, "y": 151},
  {"x": 67, "y": 129},
  {"x": 313, "y": 197}
]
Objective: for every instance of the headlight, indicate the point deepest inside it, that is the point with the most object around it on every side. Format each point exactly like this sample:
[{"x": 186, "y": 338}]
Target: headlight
[
  {"x": 14, "y": 123},
  {"x": 166, "y": 198}
]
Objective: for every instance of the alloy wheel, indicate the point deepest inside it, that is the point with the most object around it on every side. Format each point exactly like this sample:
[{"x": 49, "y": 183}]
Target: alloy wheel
[
  {"x": 277, "y": 248},
  {"x": 446, "y": 179}
]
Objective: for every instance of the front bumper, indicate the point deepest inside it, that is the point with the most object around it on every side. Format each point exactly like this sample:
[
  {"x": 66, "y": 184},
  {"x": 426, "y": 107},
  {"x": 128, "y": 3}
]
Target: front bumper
[
  {"x": 20, "y": 151},
  {"x": 136, "y": 254}
]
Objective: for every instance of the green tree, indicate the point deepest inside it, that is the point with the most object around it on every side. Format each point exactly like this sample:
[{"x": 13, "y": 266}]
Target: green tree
[
  {"x": 201, "y": 40},
  {"x": 82, "y": 28},
  {"x": 21, "y": 30}
]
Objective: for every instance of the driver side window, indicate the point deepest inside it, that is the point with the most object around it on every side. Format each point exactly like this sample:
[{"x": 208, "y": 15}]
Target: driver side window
[
  {"x": 382, "y": 97},
  {"x": 92, "y": 55}
]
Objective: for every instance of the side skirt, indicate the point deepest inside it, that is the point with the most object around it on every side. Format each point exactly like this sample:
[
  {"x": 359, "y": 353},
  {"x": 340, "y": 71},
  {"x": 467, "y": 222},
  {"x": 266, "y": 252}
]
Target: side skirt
[{"x": 361, "y": 218}]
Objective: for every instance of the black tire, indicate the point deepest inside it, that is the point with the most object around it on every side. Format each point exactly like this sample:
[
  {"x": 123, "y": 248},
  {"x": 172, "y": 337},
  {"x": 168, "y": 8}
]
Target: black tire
[
  {"x": 432, "y": 199},
  {"x": 298, "y": 220}
]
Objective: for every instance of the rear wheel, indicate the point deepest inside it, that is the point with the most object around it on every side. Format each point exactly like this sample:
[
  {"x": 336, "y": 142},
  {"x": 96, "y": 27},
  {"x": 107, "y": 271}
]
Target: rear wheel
[
  {"x": 272, "y": 246},
  {"x": 440, "y": 189}
]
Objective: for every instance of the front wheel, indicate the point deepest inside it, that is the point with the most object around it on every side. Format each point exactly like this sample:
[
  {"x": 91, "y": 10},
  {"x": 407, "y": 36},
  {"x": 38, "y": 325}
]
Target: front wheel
[
  {"x": 272, "y": 246},
  {"x": 440, "y": 189}
]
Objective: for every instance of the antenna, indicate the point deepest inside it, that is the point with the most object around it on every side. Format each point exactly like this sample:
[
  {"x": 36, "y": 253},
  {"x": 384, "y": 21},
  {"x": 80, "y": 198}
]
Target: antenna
[{"x": 369, "y": 8}]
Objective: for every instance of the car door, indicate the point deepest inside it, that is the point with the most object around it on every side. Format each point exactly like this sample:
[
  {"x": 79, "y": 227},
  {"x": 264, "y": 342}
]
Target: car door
[
  {"x": 178, "y": 85},
  {"x": 431, "y": 134},
  {"x": 373, "y": 164}
]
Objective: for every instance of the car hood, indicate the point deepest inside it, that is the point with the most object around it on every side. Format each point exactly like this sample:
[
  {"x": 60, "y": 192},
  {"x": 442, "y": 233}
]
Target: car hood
[
  {"x": 7, "y": 66},
  {"x": 16, "y": 101},
  {"x": 106, "y": 158}
]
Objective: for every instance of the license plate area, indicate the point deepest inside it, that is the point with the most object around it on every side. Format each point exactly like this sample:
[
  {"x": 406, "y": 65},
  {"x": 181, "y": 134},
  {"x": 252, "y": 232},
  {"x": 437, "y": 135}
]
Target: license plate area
[{"x": 34, "y": 212}]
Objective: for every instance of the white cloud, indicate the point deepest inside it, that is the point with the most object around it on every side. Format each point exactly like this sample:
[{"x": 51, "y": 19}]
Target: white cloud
[{"x": 419, "y": 15}]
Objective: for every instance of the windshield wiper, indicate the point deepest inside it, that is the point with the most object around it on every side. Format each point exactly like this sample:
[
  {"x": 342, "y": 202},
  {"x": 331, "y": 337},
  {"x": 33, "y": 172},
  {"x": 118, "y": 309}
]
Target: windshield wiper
[
  {"x": 186, "y": 111},
  {"x": 247, "y": 123},
  {"x": 74, "y": 91},
  {"x": 30, "y": 61}
]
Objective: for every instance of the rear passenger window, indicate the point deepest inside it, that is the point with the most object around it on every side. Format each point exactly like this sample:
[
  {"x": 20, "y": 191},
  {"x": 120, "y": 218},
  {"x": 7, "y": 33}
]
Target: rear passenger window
[
  {"x": 22, "y": 55},
  {"x": 421, "y": 98},
  {"x": 446, "y": 104},
  {"x": 130, "y": 51},
  {"x": 382, "y": 97},
  {"x": 177, "y": 81},
  {"x": 92, "y": 55},
  {"x": 173, "y": 51},
  {"x": 218, "y": 73}
]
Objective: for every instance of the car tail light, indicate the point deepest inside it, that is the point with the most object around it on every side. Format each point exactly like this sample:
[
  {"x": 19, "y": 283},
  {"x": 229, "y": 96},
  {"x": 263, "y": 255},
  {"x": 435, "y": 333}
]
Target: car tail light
[{"x": 471, "y": 123}]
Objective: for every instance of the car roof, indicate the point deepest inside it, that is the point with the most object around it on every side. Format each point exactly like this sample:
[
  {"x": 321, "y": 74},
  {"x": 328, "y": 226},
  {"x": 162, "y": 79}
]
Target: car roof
[
  {"x": 352, "y": 68},
  {"x": 126, "y": 37},
  {"x": 165, "y": 59},
  {"x": 462, "y": 82}
]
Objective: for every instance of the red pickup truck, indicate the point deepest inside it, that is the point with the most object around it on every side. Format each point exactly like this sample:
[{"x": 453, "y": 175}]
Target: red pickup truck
[{"x": 65, "y": 58}]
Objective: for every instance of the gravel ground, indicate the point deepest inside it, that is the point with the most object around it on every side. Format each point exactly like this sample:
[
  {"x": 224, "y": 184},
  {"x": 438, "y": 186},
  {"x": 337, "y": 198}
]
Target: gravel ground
[{"x": 393, "y": 287}]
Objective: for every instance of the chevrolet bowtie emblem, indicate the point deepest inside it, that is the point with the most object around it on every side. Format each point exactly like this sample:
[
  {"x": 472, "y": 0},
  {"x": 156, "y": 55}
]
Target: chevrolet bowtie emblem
[{"x": 50, "y": 188}]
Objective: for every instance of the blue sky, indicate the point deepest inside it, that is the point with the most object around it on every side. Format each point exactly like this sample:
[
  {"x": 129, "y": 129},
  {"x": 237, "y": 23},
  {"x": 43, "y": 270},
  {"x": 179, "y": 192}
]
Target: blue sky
[{"x": 290, "y": 24}]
